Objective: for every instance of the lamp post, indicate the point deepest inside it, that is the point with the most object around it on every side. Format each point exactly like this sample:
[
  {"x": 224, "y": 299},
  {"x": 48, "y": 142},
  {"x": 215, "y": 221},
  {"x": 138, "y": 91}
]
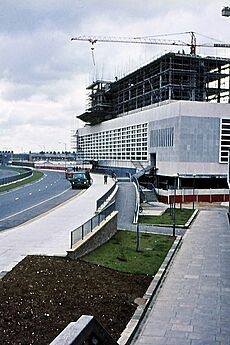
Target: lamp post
[
  {"x": 225, "y": 11},
  {"x": 138, "y": 242},
  {"x": 228, "y": 180},
  {"x": 174, "y": 208},
  {"x": 60, "y": 142},
  {"x": 179, "y": 187},
  {"x": 193, "y": 193}
]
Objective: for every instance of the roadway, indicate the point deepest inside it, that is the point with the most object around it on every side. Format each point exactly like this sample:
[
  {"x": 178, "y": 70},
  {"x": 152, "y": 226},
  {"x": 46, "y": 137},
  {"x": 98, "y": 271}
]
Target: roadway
[
  {"x": 24, "y": 203},
  {"x": 49, "y": 234},
  {"x": 7, "y": 173}
]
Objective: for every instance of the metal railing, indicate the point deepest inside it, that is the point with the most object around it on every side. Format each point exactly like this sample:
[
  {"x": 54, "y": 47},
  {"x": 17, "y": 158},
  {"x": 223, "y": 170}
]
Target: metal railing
[
  {"x": 138, "y": 201},
  {"x": 14, "y": 178},
  {"x": 79, "y": 233},
  {"x": 150, "y": 186},
  {"x": 105, "y": 196}
]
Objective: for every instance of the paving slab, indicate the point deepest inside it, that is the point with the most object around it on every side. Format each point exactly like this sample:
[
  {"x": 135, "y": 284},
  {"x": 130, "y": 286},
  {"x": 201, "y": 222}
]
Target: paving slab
[{"x": 192, "y": 306}]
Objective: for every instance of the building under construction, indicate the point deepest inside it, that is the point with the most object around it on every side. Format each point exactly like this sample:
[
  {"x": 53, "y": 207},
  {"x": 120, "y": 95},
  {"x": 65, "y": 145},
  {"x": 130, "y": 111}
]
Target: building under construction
[
  {"x": 172, "y": 114},
  {"x": 171, "y": 77}
]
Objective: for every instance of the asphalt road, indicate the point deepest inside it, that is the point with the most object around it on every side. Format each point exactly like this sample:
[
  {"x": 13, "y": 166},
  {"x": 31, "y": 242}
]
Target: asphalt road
[
  {"x": 22, "y": 204},
  {"x": 6, "y": 173}
]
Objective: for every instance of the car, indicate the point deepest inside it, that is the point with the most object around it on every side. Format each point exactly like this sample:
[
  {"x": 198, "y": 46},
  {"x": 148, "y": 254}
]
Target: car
[
  {"x": 81, "y": 179},
  {"x": 69, "y": 173}
]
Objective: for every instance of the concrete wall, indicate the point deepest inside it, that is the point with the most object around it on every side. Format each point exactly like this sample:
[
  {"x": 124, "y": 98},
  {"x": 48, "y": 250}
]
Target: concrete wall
[
  {"x": 196, "y": 140},
  {"x": 86, "y": 330},
  {"x": 100, "y": 235},
  {"x": 196, "y": 135},
  {"x": 199, "y": 139},
  {"x": 162, "y": 111}
]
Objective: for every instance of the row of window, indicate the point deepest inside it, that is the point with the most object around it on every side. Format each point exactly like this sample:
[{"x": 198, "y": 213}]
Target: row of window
[
  {"x": 163, "y": 137},
  {"x": 224, "y": 140},
  {"x": 127, "y": 143}
]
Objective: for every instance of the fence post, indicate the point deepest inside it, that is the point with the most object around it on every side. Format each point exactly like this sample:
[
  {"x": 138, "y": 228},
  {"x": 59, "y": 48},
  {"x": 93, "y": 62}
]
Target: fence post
[
  {"x": 138, "y": 237},
  {"x": 71, "y": 239},
  {"x": 82, "y": 232}
]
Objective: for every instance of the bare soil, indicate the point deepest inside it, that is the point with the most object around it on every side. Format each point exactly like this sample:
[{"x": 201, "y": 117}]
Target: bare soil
[{"x": 42, "y": 295}]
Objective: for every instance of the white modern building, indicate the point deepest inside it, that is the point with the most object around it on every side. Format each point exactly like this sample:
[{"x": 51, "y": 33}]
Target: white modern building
[{"x": 172, "y": 114}]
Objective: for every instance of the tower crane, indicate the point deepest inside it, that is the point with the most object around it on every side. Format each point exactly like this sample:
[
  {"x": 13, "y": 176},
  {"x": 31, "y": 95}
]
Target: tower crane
[{"x": 150, "y": 40}]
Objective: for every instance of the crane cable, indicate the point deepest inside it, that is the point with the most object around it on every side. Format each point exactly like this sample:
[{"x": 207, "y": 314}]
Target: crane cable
[{"x": 93, "y": 57}]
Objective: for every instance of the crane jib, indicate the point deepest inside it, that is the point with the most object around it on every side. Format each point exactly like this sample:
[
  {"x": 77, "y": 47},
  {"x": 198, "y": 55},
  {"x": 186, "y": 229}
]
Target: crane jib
[{"x": 222, "y": 45}]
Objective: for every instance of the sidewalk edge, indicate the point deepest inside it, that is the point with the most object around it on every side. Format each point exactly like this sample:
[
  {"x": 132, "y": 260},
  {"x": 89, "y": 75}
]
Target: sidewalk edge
[{"x": 132, "y": 327}]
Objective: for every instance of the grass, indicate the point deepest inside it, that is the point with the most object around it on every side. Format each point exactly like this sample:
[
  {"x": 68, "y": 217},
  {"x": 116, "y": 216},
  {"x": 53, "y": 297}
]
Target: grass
[
  {"x": 120, "y": 254},
  {"x": 37, "y": 175},
  {"x": 182, "y": 216},
  {"x": 18, "y": 170}
]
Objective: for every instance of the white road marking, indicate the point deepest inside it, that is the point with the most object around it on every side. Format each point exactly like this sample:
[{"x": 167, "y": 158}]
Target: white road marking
[
  {"x": 24, "y": 186},
  {"x": 30, "y": 208}
]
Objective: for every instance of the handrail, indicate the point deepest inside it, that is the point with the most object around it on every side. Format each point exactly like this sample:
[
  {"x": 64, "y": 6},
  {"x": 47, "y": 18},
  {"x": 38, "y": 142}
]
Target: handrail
[
  {"x": 137, "y": 206},
  {"x": 150, "y": 186},
  {"x": 84, "y": 229},
  {"x": 101, "y": 201}
]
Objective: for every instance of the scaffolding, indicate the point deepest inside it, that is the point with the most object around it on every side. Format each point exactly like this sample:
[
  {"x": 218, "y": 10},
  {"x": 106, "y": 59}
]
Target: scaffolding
[{"x": 172, "y": 77}]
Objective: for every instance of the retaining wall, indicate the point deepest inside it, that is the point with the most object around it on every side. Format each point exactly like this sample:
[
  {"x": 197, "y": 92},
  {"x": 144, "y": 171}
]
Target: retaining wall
[{"x": 101, "y": 234}]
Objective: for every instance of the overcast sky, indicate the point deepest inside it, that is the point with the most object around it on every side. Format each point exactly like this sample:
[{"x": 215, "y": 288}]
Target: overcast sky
[{"x": 43, "y": 74}]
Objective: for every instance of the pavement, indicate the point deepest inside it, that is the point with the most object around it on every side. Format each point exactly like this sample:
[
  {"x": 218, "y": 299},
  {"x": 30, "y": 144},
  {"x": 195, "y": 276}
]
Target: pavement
[
  {"x": 153, "y": 208},
  {"x": 125, "y": 204},
  {"x": 49, "y": 234},
  {"x": 192, "y": 306}
]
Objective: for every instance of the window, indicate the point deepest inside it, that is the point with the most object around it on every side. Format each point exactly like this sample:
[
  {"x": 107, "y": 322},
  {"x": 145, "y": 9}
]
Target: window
[
  {"x": 117, "y": 141},
  {"x": 224, "y": 140},
  {"x": 163, "y": 137}
]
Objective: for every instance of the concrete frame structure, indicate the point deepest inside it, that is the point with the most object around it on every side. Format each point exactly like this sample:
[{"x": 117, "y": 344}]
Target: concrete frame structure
[{"x": 172, "y": 114}]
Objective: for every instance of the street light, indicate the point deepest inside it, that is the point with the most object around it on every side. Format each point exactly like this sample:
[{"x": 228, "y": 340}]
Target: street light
[
  {"x": 193, "y": 197},
  {"x": 228, "y": 180},
  {"x": 60, "y": 142},
  {"x": 225, "y": 11},
  {"x": 174, "y": 208},
  {"x": 179, "y": 187}
]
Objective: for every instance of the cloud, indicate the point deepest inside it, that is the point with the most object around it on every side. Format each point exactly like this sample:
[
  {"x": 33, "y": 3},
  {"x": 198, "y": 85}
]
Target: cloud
[{"x": 43, "y": 75}]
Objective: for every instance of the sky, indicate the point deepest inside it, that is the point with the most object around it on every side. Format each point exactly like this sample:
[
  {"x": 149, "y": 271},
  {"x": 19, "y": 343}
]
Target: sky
[{"x": 44, "y": 75}]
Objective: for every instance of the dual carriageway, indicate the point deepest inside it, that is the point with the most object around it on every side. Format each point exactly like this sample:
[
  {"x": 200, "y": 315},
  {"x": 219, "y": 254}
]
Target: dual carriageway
[{"x": 21, "y": 204}]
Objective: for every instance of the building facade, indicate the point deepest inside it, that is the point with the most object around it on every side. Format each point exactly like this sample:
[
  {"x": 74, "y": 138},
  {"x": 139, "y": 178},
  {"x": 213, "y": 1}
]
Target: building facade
[{"x": 172, "y": 114}]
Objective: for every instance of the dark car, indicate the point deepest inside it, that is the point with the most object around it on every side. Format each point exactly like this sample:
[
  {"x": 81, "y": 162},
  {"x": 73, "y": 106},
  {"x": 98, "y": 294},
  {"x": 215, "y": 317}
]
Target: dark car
[{"x": 81, "y": 179}]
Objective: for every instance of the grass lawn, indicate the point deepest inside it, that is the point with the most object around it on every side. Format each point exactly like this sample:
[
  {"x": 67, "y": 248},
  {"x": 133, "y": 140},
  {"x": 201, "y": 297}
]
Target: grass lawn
[
  {"x": 36, "y": 176},
  {"x": 182, "y": 216},
  {"x": 18, "y": 170},
  {"x": 120, "y": 254}
]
